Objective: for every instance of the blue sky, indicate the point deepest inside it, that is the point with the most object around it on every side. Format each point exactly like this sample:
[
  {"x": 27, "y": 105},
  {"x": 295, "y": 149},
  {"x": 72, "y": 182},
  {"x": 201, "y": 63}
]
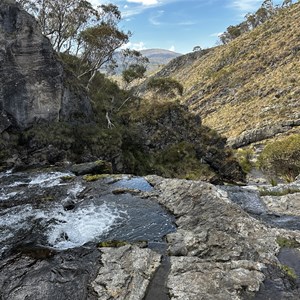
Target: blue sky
[{"x": 179, "y": 25}]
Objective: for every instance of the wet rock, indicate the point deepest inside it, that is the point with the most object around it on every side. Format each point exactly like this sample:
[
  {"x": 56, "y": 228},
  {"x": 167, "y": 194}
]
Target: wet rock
[
  {"x": 62, "y": 276},
  {"x": 96, "y": 167},
  {"x": 126, "y": 273},
  {"x": 218, "y": 251}
]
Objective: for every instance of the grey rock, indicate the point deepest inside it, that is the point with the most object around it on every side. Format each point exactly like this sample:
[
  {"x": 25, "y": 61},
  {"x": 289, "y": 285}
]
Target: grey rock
[
  {"x": 33, "y": 84},
  {"x": 262, "y": 133},
  {"x": 62, "y": 276},
  {"x": 218, "y": 251},
  {"x": 126, "y": 273},
  {"x": 96, "y": 167},
  {"x": 287, "y": 204}
]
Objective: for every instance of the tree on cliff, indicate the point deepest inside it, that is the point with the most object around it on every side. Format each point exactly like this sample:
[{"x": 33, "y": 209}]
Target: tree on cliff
[{"x": 75, "y": 27}]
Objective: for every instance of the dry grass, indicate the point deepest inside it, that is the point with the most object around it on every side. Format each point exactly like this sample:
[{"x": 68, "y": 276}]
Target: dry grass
[{"x": 252, "y": 81}]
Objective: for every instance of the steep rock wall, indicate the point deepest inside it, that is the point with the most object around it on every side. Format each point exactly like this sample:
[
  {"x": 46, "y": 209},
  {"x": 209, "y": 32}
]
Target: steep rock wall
[{"x": 32, "y": 80}]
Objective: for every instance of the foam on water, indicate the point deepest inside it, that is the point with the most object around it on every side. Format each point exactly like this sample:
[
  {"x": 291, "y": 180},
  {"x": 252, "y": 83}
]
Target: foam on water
[
  {"x": 74, "y": 191},
  {"x": 75, "y": 228},
  {"x": 67, "y": 229},
  {"x": 4, "y": 196},
  {"x": 47, "y": 179}
]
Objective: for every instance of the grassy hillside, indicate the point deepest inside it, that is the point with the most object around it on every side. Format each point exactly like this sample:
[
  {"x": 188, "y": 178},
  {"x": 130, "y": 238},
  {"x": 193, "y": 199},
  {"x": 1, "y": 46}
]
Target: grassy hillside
[{"x": 251, "y": 85}]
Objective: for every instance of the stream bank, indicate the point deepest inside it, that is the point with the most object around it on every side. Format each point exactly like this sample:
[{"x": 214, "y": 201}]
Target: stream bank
[{"x": 52, "y": 223}]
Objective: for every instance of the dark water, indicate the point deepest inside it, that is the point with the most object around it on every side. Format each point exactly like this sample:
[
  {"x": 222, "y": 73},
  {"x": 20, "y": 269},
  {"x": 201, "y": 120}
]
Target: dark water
[
  {"x": 277, "y": 285},
  {"x": 249, "y": 200},
  {"x": 33, "y": 209}
]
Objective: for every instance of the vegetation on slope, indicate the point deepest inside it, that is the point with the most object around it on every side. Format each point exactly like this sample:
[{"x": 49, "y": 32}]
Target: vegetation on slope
[{"x": 254, "y": 78}]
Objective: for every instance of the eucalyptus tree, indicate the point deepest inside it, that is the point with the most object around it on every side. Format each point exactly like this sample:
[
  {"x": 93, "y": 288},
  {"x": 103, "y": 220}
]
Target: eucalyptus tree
[{"x": 76, "y": 27}]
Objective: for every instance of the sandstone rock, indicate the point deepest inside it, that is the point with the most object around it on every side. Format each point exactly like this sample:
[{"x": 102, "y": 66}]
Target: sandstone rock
[
  {"x": 193, "y": 278},
  {"x": 32, "y": 81},
  {"x": 286, "y": 204},
  {"x": 126, "y": 273}
]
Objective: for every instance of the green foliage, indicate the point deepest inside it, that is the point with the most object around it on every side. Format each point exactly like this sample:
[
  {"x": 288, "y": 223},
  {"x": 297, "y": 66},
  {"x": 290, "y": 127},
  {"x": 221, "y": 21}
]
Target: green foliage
[
  {"x": 290, "y": 272},
  {"x": 244, "y": 157},
  {"x": 165, "y": 86},
  {"x": 67, "y": 178},
  {"x": 287, "y": 243},
  {"x": 59, "y": 135},
  {"x": 282, "y": 157},
  {"x": 180, "y": 160},
  {"x": 265, "y": 192},
  {"x": 112, "y": 244},
  {"x": 90, "y": 178},
  {"x": 134, "y": 71}
]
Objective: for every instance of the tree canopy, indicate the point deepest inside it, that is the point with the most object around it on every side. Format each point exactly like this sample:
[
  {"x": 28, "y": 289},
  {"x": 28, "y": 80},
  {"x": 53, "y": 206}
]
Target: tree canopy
[{"x": 76, "y": 27}]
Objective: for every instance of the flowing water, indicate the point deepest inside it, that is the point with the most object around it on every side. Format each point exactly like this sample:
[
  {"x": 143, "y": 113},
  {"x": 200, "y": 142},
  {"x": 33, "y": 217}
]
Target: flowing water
[{"x": 41, "y": 208}]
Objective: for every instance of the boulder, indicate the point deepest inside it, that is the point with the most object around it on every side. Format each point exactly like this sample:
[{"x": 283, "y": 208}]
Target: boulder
[
  {"x": 126, "y": 273},
  {"x": 96, "y": 167}
]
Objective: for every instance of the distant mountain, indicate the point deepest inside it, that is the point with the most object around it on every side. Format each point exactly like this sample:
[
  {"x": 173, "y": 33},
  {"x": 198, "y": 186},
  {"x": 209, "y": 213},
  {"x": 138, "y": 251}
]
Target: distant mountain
[
  {"x": 159, "y": 57},
  {"x": 249, "y": 89}
]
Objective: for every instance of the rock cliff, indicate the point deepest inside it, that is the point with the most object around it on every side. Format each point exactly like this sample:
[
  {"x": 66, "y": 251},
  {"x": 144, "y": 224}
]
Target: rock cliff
[{"x": 33, "y": 85}]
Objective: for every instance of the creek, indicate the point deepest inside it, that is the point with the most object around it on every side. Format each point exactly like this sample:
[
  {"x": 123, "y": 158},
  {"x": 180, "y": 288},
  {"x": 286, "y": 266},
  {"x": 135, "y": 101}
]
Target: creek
[
  {"x": 42, "y": 208},
  {"x": 249, "y": 199}
]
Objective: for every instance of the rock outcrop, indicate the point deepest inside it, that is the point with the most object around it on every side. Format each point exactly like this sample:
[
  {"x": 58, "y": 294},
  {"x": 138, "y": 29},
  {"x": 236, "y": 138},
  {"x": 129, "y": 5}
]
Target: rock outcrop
[
  {"x": 33, "y": 84},
  {"x": 126, "y": 272},
  {"x": 218, "y": 251}
]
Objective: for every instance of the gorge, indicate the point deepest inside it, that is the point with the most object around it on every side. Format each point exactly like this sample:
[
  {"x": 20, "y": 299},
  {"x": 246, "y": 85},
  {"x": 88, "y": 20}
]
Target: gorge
[{"x": 75, "y": 223}]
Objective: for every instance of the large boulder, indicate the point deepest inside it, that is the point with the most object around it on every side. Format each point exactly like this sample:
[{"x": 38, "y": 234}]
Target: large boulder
[{"x": 32, "y": 80}]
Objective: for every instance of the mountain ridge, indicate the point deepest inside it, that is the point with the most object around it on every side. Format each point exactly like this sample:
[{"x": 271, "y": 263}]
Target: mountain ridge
[{"x": 247, "y": 85}]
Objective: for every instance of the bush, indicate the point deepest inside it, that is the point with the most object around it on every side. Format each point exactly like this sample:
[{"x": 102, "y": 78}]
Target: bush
[
  {"x": 244, "y": 159},
  {"x": 282, "y": 157},
  {"x": 165, "y": 86}
]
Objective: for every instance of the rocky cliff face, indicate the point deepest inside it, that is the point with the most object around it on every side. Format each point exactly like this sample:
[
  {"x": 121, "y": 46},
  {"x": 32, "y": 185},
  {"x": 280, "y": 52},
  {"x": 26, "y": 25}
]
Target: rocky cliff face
[{"x": 32, "y": 80}]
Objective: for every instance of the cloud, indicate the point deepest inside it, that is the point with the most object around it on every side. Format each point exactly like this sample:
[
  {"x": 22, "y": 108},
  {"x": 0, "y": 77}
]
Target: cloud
[
  {"x": 172, "y": 48},
  {"x": 154, "y": 19},
  {"x": 187, "y": 23},
  {"x": 135, "y": 46},
  {"x": 245, "y": 5},
  {"x": 144, "y": 2}
]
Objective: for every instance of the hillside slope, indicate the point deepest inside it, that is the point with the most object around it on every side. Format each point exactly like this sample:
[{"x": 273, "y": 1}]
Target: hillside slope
[
  {"x": 158, "y": 57},
  {"x": 249, "y": 89}
]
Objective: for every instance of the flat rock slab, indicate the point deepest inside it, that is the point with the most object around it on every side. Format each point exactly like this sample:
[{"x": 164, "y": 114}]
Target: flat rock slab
[
  {"x": 126, "y": 273},
  {"x": 219, "y": 251}
]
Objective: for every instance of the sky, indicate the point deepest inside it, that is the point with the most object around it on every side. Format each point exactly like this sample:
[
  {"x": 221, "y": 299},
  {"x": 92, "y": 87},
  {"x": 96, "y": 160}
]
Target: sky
[{"x": 180, "y": 25}]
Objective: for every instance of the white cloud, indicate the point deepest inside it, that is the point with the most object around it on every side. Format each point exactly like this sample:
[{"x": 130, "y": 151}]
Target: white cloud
[
  {"x": 135, "y": 46},
  {"x": 154, "y": 19},
  {"x": 246, "y": 5},
  {"x": 144, "y": 2},
  {"x": 172, "y": 48}
]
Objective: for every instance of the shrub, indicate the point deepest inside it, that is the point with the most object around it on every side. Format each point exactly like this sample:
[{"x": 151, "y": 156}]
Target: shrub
[
  {"x": 165, "y": 86},
  {"x": 282, "y": 157},
  {"x": 244, "y": 158}
]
